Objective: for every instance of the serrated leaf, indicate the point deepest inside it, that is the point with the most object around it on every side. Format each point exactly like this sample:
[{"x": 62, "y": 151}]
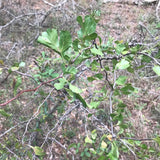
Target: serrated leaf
[
  {"x": 38, "y": 151},
  {"x": 87, "y": 27},
  {"x": 88, "y": 140},
  {"x": 96, "y": 51},
  {"x": 65, "y": 41},
  {"x": 50, "y": 39},
  {"x": 123, "y": 64},
  {"x": 156, "y": 69},
  {"x": 121, "y": 80},
  {"x": 74, "y": 89}
]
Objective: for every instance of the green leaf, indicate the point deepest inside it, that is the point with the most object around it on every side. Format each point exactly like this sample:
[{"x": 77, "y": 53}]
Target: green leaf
[
  {"x": 80, "y": 21},
  {"x": 130, "y": 69},
  {"x": 158, "y": 54},
  {"x": 128, "y": 89},
  {"x": 65, "y": 41},
  {"x": 75, "y": 44},
  {"x": 91, "y": 79},
  {"x": 60, "y": 85},
  {"x": 74, "y": 89},
  {"x": 87, "y": 154},
  {"x": 123, "y": 64},
  {"x": 87, "y": 27},
  {"x": 156, "y": 69},
  {"x": 88, "y": 140},
  {"x": 73, "y": 145},
  {"x": 3, "y": 113},
  {"x": 158, "y": 25},
  {"x": 50, "y": 39},
  {"x": 91, "y": 37},
  {"x": 81, "y": 99},
  {"x": 102, "y": 157},
  {"x": 95, "y": 65},
  {"x": 92, "y": 150},
  {"x": 99, "y": 75},
  {"x": 120, "y": 48},
  {"x": 157, "y": 139},
  {"x": 114, "y": 153},
  {"x": 38, "y": 151},
  {"x": 94, "y": 105},
  {"x": 121, "y": 80},
  {"x": 18, "y": 83},
  {"x": 103, "y": 145},
  {"x": 146, "y": 59},
  {"x": 96, "y": 51},
  {"x": 54, "y": 75},
  {"x": 71, "y": 70},
  {"x": 22, "y": 64},
  {"x": 135, "y": 49},
  {"x": 94, "y": 134},
  {"x": 14, "y": 68}
]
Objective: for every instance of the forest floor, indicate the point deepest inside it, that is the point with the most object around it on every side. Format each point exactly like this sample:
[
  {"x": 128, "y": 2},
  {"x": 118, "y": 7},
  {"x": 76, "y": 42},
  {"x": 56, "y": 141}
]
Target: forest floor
[{"x": 122, "y": 22}]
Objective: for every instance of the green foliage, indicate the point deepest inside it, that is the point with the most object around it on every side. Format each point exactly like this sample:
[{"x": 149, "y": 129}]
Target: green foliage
[
  {"x": 38, "y": 151},
  {"x": 4, "y": 113},
  {"x": 50, "y": 39},
  {"x": 74, "y": 54},
  {"x": 84, "y": 49}
]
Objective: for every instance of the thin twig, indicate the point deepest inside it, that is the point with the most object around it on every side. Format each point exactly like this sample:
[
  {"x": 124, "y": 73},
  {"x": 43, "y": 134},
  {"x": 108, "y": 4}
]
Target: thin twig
[
  {"x": 136, "y": 139},
  {"x": 16, "y": 18},
  {"x": 129, "y": 148},
  {"x": 59, "y": 123},
  {"x": 141, "y": 24},
  {"x": 95, "y": 118},
  {"x": 35, "y": 115},
  {"x": 29, "y": 90},
  {"x": 7, "y": 131},
  {"x": 10, "y": 151},
  {"x": 157, "y": 11}
]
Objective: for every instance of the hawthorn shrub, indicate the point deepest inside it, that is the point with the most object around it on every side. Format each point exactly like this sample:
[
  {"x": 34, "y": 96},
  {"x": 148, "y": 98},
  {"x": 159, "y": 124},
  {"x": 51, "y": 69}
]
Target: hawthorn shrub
[{"x": 82, "y": 92}]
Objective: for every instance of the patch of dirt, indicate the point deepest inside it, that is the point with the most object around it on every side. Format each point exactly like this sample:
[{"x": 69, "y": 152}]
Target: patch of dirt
[{"x": 121, "y": 20}]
